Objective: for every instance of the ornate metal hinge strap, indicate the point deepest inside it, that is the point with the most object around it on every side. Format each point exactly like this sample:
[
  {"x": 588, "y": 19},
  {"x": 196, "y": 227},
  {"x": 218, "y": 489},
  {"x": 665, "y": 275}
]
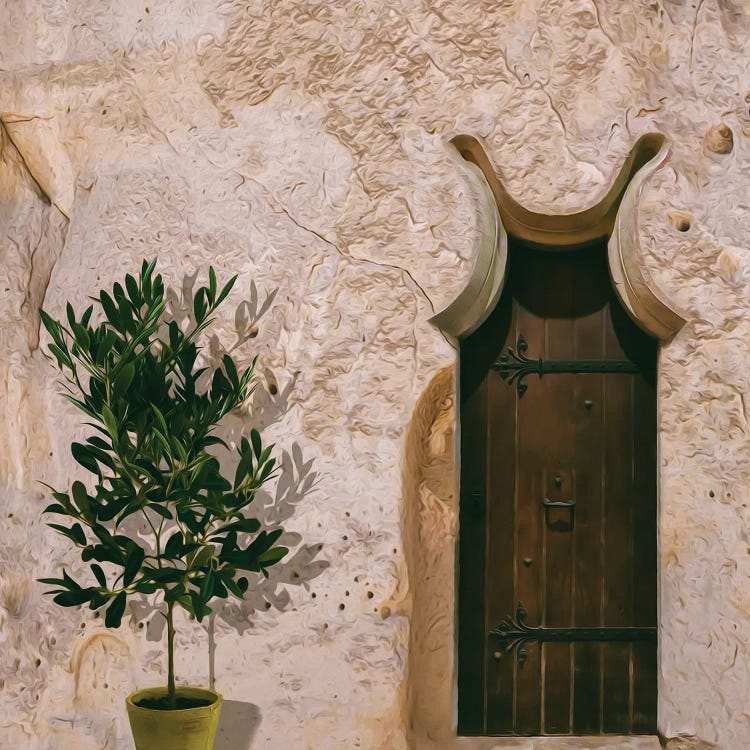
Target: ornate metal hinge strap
[
  {"x": 514, "y": 365},
  {"x": 513, "y": 632}
]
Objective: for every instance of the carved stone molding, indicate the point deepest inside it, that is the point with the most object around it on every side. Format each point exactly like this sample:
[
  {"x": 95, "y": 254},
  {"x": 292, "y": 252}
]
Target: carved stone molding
[
  {"x": 482, "y": 291},
  {"x": 614, "y": 215}
]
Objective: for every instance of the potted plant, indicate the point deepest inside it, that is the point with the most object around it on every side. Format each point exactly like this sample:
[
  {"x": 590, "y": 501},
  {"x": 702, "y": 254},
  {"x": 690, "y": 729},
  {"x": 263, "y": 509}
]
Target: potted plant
[{"x": 153, "y": 413}]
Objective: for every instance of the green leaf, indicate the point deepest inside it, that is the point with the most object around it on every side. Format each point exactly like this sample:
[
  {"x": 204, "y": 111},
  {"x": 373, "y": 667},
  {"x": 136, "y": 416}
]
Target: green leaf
[
  {"x": 203, "y": 556},
  {"x": 199, "y": 607},
  {"x": 227, "y": 288},
  {"x": 115, "y": 611},
  {"x": 199, "y": 306},
  {"x": 146, "y": 271},
  {"x": 231, "y": 371},
  {"x": 160, "y": 510},
  {"x": 82, "y": 455},
  {"x": 81, "y": 498},
  {"x": 267, "y": 559},
  {"x": 257, "y": 444},
  {"x": 86, "y": 317},
  {"x": 231, "y": 584},
  {"x": 73, "y": 598},
  {"x": 173, "y": 546},
  {"x": 247, "y": 525},
  {"x": 98, "y": 599},
  {"x": 81, "y": 336},
  {"x": 267, "y": 469},
  {"x": 97, "y": 442},
  {"x": 74, "y": 533},
  {"x": 244, "y": 467},
  {"x": 207, "y": 585},
  {"x": 123, "y": 379},
  {"x": 102, "y": 553},
  {"x": 99, "y": 573},
  {"x": 133, "y": 561},
  {"x": 110, "y": 310},
  {"x": 110, "y": 422},
  {"x": 132, "y": 286},
  {"x": 60, "y": 355},
  {"x": 211, "y": 284},
  {"x": 52, "y": 326},
  {"x": 187, "y": 604}
]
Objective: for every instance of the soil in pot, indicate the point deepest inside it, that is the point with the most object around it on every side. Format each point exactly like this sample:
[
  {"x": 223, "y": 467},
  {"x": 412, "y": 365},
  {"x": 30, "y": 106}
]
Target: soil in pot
[{"x": 181, "y": 703}]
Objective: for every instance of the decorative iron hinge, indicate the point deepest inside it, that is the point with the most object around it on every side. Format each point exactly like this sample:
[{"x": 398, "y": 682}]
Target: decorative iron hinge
[
  {"x": 513, "y": 632},
  {"x": 514, "y": 365}
]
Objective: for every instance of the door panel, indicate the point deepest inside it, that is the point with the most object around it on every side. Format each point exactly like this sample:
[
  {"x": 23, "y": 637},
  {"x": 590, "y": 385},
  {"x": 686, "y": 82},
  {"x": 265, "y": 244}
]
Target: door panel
[{"x": 558, "y": 508}]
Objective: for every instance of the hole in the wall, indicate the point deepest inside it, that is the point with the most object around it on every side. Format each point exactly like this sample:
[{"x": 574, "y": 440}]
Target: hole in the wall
[{"x": 681, "y": 220}]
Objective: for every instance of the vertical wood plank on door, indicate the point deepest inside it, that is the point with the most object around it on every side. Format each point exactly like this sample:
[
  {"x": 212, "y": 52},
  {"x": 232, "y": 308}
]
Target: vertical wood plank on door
[
  {"x": 589, "y": 443},
  {"x": 471, "y": 595},
  {"x": 530, "y": 484},
  {"x": 618, "y": 583},
  {"x": 555, "y": 434},
  {"x": 501, "y": 448}
]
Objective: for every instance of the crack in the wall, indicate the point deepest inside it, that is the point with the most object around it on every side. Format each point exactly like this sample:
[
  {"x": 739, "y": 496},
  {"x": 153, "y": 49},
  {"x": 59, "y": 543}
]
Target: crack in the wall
[
  {"x": 40, "y": 264},
  {"x": 601, "y": 25},
  {"x": 402, "y": 271},
  {"x": 5, "y": 134}
]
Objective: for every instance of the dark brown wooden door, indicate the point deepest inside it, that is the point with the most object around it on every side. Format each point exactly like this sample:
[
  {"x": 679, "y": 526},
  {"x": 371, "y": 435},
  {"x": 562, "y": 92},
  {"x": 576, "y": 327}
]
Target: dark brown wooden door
[{"x": 557, "y": 593}]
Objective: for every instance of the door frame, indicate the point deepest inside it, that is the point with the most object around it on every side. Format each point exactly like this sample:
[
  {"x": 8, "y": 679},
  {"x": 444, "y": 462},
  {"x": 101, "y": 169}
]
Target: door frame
[{"x": 469, "y": 600}]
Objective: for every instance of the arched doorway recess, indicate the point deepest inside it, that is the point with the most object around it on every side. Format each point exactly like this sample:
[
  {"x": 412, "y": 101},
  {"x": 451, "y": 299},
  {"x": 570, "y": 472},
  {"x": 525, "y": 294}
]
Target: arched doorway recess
[{"x": 613, "y": 217}]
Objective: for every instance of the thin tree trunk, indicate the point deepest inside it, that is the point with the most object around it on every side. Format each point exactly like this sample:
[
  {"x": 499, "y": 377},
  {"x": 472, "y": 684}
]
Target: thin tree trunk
[
  {"x": 170, "y": 656},
  {"x": 212, "y": 651}
]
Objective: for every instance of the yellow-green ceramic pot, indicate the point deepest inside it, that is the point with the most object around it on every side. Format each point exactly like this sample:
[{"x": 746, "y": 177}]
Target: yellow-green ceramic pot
[{"x": 184, "y": 729}]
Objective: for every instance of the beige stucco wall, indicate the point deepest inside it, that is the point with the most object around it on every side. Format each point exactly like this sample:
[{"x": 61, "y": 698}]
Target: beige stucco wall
[{"x": 304, "y": 145}]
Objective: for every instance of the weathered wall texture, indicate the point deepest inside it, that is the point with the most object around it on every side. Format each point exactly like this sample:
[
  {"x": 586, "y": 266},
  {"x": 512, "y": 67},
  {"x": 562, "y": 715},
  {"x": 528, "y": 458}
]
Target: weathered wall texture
[{"x": 304, "y": 145}]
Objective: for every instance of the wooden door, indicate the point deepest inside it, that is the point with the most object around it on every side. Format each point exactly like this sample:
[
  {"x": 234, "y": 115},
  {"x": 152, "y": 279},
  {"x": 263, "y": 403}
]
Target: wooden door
[{"x": 557, "y": 592}]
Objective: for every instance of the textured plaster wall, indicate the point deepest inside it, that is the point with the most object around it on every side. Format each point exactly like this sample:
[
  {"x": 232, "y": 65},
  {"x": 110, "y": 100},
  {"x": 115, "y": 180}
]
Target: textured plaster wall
[{"x": 304, "y": 145}]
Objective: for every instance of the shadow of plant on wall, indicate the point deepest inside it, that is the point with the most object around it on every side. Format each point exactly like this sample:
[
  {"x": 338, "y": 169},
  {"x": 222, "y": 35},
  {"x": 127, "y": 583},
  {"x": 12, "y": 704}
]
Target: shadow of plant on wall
[{"x": 270, "y": 507}]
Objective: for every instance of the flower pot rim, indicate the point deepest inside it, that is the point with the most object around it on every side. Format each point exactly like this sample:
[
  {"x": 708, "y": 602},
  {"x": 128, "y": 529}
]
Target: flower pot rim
[{"x": 183, "y": 690}]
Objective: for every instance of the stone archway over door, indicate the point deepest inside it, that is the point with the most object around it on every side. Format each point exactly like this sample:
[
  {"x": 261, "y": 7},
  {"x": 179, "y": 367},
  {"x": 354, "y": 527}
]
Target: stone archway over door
[
  {"x": 614, "y": 216},
  {"x": 557, "y": 593}
]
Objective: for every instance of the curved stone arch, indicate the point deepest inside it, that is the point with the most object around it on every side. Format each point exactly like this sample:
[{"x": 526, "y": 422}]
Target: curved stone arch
[{"x": 614, "y": 215}]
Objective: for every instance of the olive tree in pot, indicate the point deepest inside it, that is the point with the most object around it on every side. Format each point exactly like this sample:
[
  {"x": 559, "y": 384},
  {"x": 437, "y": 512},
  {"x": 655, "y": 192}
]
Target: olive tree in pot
[{"x": 153, "y": 413}]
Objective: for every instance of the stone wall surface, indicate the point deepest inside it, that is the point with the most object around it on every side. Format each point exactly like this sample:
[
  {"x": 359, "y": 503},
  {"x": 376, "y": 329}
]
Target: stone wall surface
[{"x": 305, "y": 146}]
